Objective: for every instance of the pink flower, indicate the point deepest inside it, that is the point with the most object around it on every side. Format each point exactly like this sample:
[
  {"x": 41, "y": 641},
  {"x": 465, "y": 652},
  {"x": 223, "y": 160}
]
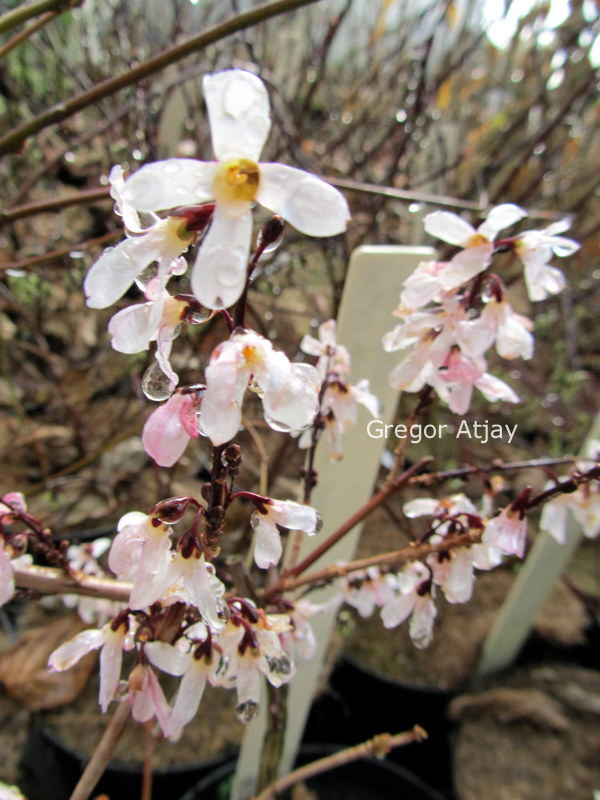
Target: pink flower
[
  {"x": 500, "y": 324},
  {"x": 477, "y": 244},
  {"x": 265, "y": 519},
  {"x": 146, "y": 697},
  {"x": 289, "y": 392},
  {"x": 414, "y": 598},
  {"x": 507, "y": 532},
  {"x": 112, "y": 641},
  {"x": 333, "y": 357},
  {"x": 536, "y": 249},
  {"x": 169, "y": 428}
]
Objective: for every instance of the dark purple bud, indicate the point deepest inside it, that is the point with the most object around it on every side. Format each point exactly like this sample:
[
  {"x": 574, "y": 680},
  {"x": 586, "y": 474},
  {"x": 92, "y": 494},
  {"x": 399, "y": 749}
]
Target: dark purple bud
[
  {"x": 170, "y": 511},
  {"x": 196, "y": 217}
]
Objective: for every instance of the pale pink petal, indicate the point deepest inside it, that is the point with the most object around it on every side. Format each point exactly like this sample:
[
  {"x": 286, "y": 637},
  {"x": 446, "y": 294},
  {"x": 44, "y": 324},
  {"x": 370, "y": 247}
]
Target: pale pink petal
[
  {"x": 395, "y": 612},
  {"x": 227, "y": 377},
  {"x": 554, "y": 519},
  {"x": 188, "y": 697},
  {"x": 295, "y": 516},
  {"x": 494, "y": 389},
  {"x": 499, "y": 218},
  {"x": 133, "y": 328},
  {"x": 542, "y": 280},
  {"x": 238, "y": 110},
  {"x": 167, "y": 658},
  {"x": 72, "y": 651},
  {"x": 421, "y": 622},
  {"x": 168, "y": 184},
  {"x": 164, "y": 435},
  {"x": 116, "y": 269},
  {"x": 465, "y": 265},
  {"x": 459, "y": 586},
  {"x": 268, "y": 547},
  {"x": 514, "y": 339},
  {"x": 311, "y": 346},
  {"x": 219, "y": 274},
  {"x": 448, "y": 227},
  {"x": 311, "y": 205},
  {"x": 360, "y": 392},
  {"x": 421, "y": 506},
  {"x": 111, "y": 657},
  {"x": 7, "y": 581}
]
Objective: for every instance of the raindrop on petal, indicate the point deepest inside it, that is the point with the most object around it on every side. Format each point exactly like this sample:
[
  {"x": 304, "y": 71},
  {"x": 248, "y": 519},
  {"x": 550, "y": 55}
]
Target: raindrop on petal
[{"x": 155, "y": 384}]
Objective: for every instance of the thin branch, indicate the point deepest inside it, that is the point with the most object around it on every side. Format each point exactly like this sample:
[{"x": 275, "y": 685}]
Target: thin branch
[
  {"x": 379, "y": 746},
  {"x": 414, "y": 552},
  {"x": 54, "y": 203},
  {"x": 49, "y": 580},
  {"x": 357, "y": 517},
  {"x": 13, "y": 18},
  {"x": 13, "y": 139},
  {"x": 496, "y": 466},
  {"x": 63, "y": 251},
  {"x": 426, "y": 197},
  {"x": 102, "y": 754},
  {"x": 25, "y": 34}
]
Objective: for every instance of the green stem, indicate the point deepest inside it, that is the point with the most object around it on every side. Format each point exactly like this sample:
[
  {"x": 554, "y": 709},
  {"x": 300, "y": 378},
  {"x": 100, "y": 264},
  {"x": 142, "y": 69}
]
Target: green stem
[
  {"x": 61, "y": 111},
  {"x": 18, "y": 15}
]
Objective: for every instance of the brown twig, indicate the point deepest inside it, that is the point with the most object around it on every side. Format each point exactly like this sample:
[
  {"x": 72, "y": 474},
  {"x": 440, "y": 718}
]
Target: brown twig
[
  {"x": 378, "y": 746},
  {"x": 148, "y": 759},
  {"x": 101, "y": 755},
  {"x": 63, "y": 251},
  {"x": 25, "y": 34},
  {"x": 413, "y": 552},
  {"x": 55, "y": 203},
  {"x": 13, "y": 139},
  {"x": 18, "y": 15},
  {"x": 49, "y": 580},
  {"x": 496, "y": 466},
  {"x": 347, "y": 526}
]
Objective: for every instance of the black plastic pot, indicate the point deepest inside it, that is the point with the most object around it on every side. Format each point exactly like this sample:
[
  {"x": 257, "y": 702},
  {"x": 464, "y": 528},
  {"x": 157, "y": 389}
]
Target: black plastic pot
[
  {"x": 365, "y": 779},
  {"x": 363, "y": 703},
  {"x": 54, "y": 770}
]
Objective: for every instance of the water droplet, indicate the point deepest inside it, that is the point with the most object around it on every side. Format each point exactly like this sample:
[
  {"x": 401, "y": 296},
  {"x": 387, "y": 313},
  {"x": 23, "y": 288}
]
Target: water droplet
[
  {"x": 170, "y": 168},
  {"x": 155, "y": 384},
  {"x": 401, "y": 115},
  {"x": 246, "y": 712},
  {"x": 200, "y": 316},
  {"x": 275, "y": 425},
  {"x": 415, "y": 207},
  {"x": 137, "y": 155}
]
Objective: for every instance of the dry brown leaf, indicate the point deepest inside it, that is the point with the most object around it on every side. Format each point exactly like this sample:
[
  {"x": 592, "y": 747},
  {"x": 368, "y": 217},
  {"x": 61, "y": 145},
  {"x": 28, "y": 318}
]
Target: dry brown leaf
[{"x": 24, "y": 666}]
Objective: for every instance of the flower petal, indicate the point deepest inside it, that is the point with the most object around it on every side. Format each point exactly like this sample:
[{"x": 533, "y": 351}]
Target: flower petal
[
  {"x": 219, "y": 274},
  {"x": 164, "y": 435},
  {"x": 268, "y": 548},
  {"x": 132, "y": 329},
  {"x": 499, "y": 218},
  {"x": 311, "y": 205},
  {"x": 448, "y": 227},
  {"x": 188, "y": 699},
  {"x": 117, "y": 268},
  {"x": 170, "y": 183},
  {"x": 70, "y": 652},
  {"x": 238, "y": 109},
  {"x": 465, "y": 265}
]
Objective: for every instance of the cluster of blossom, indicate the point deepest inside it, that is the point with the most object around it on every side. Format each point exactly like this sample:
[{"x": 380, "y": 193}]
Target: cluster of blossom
[
  {"x": 442, "y": 326},
  {"x": 583, "y": 504},
  {"x": 340, "y": 399},
  {"x": 226, "y": 641},
  {"x": 411, "y": 591}
]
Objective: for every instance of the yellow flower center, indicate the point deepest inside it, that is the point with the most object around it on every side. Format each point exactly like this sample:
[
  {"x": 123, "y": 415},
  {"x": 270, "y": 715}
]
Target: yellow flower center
[
  {"x": 177, "y": 232},
  {"x": 476, "y": 240},
  {"x": 236, "y": 181},
  {"x": 173, "y": 311}
]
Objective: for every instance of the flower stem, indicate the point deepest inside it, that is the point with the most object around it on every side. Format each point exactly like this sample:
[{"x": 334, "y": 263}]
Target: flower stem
[{"x": 18, "y": 15}]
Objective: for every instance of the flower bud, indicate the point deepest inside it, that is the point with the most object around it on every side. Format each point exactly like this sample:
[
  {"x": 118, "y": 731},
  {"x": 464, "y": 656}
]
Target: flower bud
[{"x": 170, "y": 511}]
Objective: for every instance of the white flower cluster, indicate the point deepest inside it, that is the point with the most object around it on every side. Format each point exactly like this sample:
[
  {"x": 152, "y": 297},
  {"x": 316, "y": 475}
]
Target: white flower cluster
[{"x": 445, "y": 334}]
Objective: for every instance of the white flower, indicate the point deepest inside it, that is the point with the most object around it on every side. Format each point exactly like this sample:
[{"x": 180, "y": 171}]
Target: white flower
[
  {"x": 507, "y": 532},
  {"x": 265, "y": 519},
  {"x": 477, "y": 243},
  {"x": 535, "y": 249},
  {"x": 500, "y": 324},
  {"x": 238, "y": 110},
  {"x": 250, "y": 645},
  {"x": 289, "y": 392},
  {"x": 333, "y": 357},
  {"x": 112, "y": 643},
  {"x": 413, "y": 597},
  {"x": 117, "y": 268}
]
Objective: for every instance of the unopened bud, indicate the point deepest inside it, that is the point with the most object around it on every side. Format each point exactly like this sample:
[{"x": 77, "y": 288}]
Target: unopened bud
[
  {"x": 231, "y": 458},
  {"x": 270, "y": 234},
  {"x": 170, "y": 511}
]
